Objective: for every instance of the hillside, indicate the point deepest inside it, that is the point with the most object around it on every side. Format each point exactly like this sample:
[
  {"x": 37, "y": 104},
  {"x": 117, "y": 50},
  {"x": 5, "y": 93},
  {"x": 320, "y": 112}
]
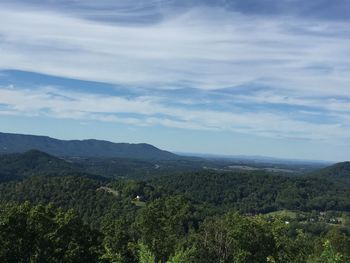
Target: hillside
[
  {"x": 20, "y": 165},
  {"x": 338, "y": 172},
  {"x": 16, "y": 166},
  {"x": 68, "y": 192},
  {"x": 257, "y": 191},
  {"x": 18, "y": 143},
  {"x": 175, "y": 211}
]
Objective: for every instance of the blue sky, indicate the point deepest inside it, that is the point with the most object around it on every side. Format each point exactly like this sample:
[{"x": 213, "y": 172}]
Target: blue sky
[{"x": 227, "y": 77}]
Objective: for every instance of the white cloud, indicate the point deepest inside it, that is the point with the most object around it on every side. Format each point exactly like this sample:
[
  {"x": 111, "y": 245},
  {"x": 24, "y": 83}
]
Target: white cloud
[
  {"x": 207, "y": 49},
  {"x": 145, "y": 111},
  {"x": 304, "y": 64}
]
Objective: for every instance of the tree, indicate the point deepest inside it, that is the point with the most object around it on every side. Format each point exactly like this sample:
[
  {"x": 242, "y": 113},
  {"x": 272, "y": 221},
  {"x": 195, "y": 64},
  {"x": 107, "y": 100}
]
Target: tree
[
  {"x": 145, "y": 255},
  {"x": 162, "y": 224},
  {"x": 235, "y": 238},
  {"x": 118, "y": 242},
  {"x": 289, "y": 249},
  {"x": 183, "y": 256},
  {"x": 45, "y": 234},
  {"x": 329, "y": 255}
]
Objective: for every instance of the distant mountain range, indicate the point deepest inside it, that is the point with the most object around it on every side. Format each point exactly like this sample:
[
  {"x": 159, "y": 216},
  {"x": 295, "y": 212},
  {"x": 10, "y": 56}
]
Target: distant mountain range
[
  {"x": 18, "y": 143},
  {"x": 257, "y": 159},
  {"x": 17, "y": 166}
]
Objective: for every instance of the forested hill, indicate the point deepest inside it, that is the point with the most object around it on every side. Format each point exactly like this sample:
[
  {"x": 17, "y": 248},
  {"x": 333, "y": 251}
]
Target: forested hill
[
  {"x": 20, "y": 165},
  {"x": 337, "y": 172},
  {"x": 187, "y": 217},
  {"x": 18, "y": 143},
  {"x": 258, "y": 192}
]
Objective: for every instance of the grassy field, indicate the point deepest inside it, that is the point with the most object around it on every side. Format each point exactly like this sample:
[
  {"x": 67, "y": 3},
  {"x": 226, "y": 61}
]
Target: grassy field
[
  {"x": 139, "y": 203},
  {"x": 284, "y": 213}
]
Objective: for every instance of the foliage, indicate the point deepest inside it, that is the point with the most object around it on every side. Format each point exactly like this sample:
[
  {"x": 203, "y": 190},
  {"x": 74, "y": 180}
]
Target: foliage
[
  {"x": 162, "y": 223},
  {"x": 257, "y": 192},
  {"x": 184, "y": 218},
  {"x": 183, "y": 256},
  {"x": 337, "y": 172},
  {"x": 329, "y": 255},
  {"x": 118, "y": 241},
  {"x": 234, "y": 238},
  {"x": 45, "y": 234},
  {"x": 19, "y": 166},
  {"x": 145, "y": 255},
  {"x": 79, "y": 193}
]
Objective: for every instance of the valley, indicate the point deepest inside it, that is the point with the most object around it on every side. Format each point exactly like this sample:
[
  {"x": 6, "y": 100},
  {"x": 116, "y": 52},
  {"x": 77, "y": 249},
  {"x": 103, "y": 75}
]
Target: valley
[{"x": 176, "y": 208}]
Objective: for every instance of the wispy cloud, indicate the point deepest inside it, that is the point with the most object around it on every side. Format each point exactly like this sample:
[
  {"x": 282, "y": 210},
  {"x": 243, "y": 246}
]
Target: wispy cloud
[
  {"x": 206, "y": 49},
  {"x": 145, "y": 111},
  {"x": 276, "y": 72}
]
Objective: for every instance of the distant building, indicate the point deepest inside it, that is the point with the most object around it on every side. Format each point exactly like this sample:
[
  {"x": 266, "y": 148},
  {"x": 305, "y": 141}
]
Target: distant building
[{"x": 138, "y": 198}]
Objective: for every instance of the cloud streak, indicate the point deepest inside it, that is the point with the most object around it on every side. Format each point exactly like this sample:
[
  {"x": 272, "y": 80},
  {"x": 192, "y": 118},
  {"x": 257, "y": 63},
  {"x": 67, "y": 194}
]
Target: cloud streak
[
  {"x": 200, "y": 48},
  {"x": 146, "y": 111},
  {"x": 223, "y": 66}
]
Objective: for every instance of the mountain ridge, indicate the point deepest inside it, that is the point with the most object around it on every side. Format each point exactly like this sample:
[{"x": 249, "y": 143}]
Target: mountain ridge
[
  {"x": 339, "y": 172},
  {"x": 20, "y": 143}
]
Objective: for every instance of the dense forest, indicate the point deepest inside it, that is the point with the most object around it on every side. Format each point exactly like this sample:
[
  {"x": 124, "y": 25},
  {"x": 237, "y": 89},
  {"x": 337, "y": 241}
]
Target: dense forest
[
  {"x": 259, "y": 192},
  {"x": 54, "y": 211}
]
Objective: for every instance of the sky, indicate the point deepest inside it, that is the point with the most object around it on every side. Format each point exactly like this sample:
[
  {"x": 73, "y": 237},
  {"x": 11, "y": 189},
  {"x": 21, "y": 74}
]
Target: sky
[{"x": 230, "y": 77}]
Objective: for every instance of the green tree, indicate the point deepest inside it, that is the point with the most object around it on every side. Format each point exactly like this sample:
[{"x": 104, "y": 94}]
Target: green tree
[
  {"x": 118, "y": 242},
  {"x": 289, "y": 249},
  {"x": 163, "y": 223},
  {"x": 45, "y": 234},
  {"x": 235, "y": 238},
  {"x": 183, "y": 256},
  {"x": 340, "y": 241},
  {"x": 329, "y": 255},
  {"x": 145, "y": 255}
]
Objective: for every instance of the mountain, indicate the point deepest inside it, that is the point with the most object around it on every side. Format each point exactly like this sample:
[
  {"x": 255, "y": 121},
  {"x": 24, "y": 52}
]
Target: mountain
[
  {"x": 17, "y": 166},
  {"x": 339, "y": 172},
  {"x": 18, "y": 143}
]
